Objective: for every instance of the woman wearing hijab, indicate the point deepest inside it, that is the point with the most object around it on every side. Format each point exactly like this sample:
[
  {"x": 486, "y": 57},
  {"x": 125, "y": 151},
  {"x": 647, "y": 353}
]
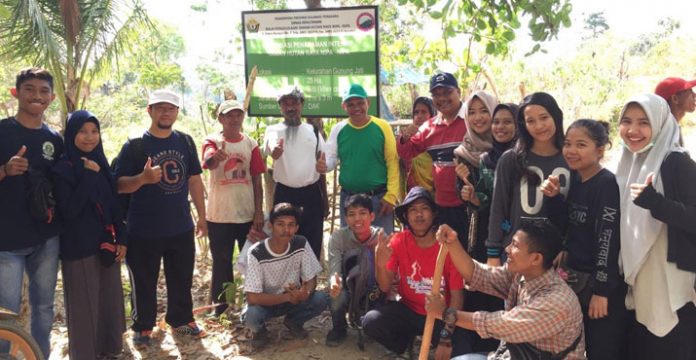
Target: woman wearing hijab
[
  {"x": 478, "y": 196},
  {"x": 419, "y": 170},
  {"x": 92, "y": 243},
  {"x": 477, "y": 140},
  {"x": 658, "y": 251}
]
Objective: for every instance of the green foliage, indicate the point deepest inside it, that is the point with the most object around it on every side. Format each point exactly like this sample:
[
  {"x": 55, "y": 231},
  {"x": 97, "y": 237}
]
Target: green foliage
[
  {"x": 151, "y": 61},
  {"x": 200, "y": 7},
  {"x": 269, "y": 4},
  {"x": 75, "y": 40},
  {"x": 596, "y": 24},
  {"x": 647, "y": 41}
]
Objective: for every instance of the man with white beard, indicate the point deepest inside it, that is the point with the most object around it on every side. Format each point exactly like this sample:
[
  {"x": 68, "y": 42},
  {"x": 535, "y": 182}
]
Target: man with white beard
[{"x": 295, "y": 147}]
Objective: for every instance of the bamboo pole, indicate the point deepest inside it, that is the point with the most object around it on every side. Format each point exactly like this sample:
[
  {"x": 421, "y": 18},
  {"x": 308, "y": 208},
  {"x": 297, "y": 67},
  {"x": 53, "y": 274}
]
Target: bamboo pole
[{"x": 435, "y": 290}]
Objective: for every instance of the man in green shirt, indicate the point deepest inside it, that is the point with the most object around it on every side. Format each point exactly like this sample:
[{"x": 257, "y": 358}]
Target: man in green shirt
[{"x": 365, "y": 147}]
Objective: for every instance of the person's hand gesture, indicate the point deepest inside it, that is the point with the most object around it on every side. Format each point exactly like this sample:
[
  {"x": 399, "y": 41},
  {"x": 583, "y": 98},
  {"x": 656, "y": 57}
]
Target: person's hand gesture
[
  {"x": 435, "y": 305},
  {"x": 446, "y": 235},
  {"x": 90, "y": 165},
  {"x": 468, "y": 193},
  {"x": 409, "y": 131},
  {"x": 551, "y": 186},
  {"x": 321, "y": 167},
  {"x": 278, "y": 150},
  {"x": 336, "y": 286},
  {"x": 460, "y": 169},
  {"x": 18, "y": 164},
  {"x": 151, "y": 174},
  {"x": 598, "y": 307},
  {"x": 637, "y": 189},
  {"x": 219, "y": 156},
  {"x": 383, "y": 250}
]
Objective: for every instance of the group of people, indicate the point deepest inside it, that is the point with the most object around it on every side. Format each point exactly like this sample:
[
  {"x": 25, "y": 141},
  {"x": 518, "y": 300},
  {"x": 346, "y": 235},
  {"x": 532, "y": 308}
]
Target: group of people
[{"x": 549, "y": 253}]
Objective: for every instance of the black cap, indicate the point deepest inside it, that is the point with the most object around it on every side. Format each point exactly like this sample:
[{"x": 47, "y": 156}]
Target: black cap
[
  {"x": 443, "y": 80},
  {"x": 414, "y": 194}
]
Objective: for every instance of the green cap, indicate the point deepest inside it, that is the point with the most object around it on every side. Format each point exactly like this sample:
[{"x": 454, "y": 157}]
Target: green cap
[{"x": 355, "y": 91}]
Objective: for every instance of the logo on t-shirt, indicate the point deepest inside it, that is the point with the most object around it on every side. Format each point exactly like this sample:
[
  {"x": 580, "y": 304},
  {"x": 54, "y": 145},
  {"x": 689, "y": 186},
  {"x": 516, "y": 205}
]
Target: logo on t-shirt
[
  {"x": 173, "y": 170},
  {"x": 47, "y": 150},
  {"x": 418, "y": 283},
  {"x": 235, "y": 170}
]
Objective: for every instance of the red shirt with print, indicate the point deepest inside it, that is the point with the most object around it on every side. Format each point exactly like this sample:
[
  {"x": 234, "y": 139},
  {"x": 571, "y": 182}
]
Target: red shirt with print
[{"x": 416, "y": 267}]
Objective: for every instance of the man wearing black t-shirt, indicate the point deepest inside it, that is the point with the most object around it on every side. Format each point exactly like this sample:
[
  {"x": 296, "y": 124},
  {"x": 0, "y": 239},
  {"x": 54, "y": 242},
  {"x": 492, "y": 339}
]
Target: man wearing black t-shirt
[
  {"x": 160, "y": 169},
  {"x": 29, "y": 237}
]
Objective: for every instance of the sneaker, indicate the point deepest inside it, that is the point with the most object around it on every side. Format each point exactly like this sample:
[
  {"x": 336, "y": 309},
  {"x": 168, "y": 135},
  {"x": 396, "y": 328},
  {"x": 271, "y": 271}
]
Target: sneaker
[
  {"x": 260, "y": 339},
  {"x": 142, "y": 338},
  {"x": 335, "y": 337},
  {"x": 190, "y": 329},
  {"x": 296, "y": 331}
]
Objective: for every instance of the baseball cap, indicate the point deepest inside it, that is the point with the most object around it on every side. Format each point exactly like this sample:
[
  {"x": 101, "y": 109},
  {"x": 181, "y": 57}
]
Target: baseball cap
[
  {"x": 672, "y": 85},
  {"x": 293, "y": 91},
  {"x": 355, "y": 91},
  {"x": 160, "y": 96},
  {"x": 443, "y": 80},
  {"x": 229, "y": 105}
]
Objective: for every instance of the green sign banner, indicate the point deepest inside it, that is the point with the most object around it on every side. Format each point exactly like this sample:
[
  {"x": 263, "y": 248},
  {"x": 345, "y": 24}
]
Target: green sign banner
[{"x": 321, "y": 51}]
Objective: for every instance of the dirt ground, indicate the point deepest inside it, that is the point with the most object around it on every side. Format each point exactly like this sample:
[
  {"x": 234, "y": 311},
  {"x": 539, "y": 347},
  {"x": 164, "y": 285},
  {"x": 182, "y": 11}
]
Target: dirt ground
[{"x": 225, "y": 339}]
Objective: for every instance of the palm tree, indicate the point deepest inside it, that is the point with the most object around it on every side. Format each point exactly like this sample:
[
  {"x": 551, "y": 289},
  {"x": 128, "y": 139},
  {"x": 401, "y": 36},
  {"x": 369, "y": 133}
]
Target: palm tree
[{"x": 74, "y": 39}]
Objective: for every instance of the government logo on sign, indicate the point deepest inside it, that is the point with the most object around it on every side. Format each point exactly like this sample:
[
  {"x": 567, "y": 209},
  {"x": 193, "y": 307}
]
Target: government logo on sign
[
  {"x": 252, "y": 25},
  {"x": 365, "y": 21}
]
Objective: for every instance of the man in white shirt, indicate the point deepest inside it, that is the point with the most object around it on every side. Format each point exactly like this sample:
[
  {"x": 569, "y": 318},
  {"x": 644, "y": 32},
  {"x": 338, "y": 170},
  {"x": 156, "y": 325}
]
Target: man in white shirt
[{"x": 295, "y": 147}]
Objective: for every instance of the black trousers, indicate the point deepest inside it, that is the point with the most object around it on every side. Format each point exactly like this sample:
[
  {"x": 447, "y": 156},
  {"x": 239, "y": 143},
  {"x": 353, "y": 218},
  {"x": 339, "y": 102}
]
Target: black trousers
[
  {"x": 678, "y": 344},
  {"x": 458, "y": 219},
  {"x": 222, "y": 239},
  {"x": 394, "y": 325},
  {"x": 143, "y": 259},
  {"x": 312, "y": 221},
  {"x": 607, "y": 338}
]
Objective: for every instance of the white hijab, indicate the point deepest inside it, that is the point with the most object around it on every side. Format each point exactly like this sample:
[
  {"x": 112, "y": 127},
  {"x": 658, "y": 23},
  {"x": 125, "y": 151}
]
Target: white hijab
[
  {"x": 473, "y": 144},
  {"x": 657, "y": 288},
  {"x": 639, "y": 230}
]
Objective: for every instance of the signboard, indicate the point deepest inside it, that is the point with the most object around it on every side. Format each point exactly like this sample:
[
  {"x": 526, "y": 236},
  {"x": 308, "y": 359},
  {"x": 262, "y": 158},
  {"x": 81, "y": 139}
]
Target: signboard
[{"x": 322, "y": 51}]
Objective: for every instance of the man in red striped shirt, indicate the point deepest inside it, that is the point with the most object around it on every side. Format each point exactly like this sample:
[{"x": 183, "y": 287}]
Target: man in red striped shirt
[{"x": 439, "y": 136}]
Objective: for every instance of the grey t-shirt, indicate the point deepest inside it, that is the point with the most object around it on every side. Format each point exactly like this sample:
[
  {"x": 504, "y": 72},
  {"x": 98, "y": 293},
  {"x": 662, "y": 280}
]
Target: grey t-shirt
[
  {"x": 515, "y": 200},
  {"x": 343, "y": 240}
]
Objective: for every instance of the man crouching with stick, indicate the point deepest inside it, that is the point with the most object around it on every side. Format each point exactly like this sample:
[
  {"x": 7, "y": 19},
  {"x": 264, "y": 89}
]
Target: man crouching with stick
[
  {"x": 412, "y": 255},
  {"x": 542, "y": 317}
]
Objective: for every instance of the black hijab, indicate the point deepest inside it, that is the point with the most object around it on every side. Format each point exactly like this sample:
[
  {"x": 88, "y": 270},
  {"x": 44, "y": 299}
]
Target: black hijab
[
  {"x": 71, "y": 166},
  {"x": 490, "y": 159}
]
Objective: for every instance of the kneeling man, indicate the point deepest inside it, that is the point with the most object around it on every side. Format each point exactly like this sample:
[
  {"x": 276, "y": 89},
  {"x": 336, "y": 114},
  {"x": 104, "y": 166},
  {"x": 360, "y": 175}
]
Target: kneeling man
[{"x": 281, "y": 278}]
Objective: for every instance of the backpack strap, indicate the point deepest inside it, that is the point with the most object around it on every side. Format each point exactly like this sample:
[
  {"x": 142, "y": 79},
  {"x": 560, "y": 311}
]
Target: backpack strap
[
  {"x": 136, "y": 151},
  {"x": 189, "y": 143},
  {"x": 564, "y": 353}
]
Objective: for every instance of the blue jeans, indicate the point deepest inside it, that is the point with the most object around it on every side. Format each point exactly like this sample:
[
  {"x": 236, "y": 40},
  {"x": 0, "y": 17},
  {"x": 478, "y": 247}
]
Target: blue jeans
[
  {"x": 339, "y": 308},
  {"x": 41, "y": 265},
  {"x": 476, "y": 356},
  {"x": 254, "y": 316},
  {"x": 386, "y": 222}
]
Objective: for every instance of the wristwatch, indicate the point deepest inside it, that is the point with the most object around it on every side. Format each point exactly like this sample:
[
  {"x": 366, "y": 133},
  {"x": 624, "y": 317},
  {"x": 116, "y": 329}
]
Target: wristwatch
[{"x": 449, "y": 317}]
